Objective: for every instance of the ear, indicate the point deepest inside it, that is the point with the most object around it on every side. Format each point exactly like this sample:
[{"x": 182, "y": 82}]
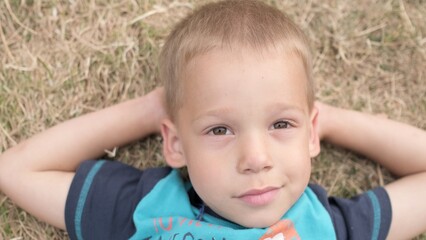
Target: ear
[
  {"x": 172, "y": 148},
  {"x": 314, "y": 142}
]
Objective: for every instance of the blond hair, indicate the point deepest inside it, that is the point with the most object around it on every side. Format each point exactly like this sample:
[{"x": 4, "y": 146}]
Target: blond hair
[{"x": 229, "y": 24}]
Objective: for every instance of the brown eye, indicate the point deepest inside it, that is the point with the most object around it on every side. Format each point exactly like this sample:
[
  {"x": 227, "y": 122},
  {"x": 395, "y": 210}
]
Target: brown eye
[
  {"x": 281, "y": 124},
  {"x": 219, "y": 130}
]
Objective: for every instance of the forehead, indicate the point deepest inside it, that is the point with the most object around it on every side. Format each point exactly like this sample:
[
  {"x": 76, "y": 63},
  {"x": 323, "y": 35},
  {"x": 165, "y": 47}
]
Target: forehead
[{"x": 222, "y": 77}]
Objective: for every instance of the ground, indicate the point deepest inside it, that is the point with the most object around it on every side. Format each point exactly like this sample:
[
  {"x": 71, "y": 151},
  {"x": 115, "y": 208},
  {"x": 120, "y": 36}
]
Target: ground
[{"x": 61, "y": 59}]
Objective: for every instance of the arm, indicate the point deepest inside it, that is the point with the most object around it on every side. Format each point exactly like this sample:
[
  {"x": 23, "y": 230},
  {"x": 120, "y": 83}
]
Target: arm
[
  {"x": 37, "y": 173},
  {"x": 398, "y": 147}
]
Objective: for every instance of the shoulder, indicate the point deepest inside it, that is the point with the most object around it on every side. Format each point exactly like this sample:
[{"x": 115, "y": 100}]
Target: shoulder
[
  {"x": 365, "y": 216},
  {"x": 107, "y": 193}
]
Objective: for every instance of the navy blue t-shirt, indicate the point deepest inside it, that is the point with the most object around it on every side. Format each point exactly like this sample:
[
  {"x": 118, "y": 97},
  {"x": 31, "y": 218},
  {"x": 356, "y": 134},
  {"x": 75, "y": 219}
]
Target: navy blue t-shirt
[{"x": 105, "y": 195}]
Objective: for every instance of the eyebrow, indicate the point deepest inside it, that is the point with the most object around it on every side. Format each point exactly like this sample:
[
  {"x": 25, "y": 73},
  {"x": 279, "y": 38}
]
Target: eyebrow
[
  {"x": 275, "y": 108},
  {"x": 215, "y": 113},
  {"x": 283, "y": 107}
]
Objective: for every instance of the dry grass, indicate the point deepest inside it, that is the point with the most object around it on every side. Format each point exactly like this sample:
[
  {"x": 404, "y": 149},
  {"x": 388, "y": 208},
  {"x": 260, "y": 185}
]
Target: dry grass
[{"x": 61, "y": 59}]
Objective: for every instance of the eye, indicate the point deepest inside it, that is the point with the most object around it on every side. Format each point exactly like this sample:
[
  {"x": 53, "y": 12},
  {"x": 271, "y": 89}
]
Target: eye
[
  {"x": 281, "y": 125},
  {"x": 219, "y": 131}
]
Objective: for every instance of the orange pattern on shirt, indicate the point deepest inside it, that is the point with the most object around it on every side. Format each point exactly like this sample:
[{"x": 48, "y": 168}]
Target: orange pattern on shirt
[{"x": 283, "y": 229}]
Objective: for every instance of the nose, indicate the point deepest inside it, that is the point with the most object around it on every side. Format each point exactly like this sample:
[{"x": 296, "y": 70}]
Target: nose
[{"x": 254, "y": 155}]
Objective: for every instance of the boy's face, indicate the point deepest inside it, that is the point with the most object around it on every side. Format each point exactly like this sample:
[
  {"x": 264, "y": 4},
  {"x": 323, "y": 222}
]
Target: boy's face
[{"x": 245, "y": 133}]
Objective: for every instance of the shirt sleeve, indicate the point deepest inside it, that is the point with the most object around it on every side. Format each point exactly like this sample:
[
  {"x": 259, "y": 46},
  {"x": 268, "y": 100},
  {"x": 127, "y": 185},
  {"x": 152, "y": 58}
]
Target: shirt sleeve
[
  {"x": 366, "y": 216},
  {"x": 103, "y": 196}
]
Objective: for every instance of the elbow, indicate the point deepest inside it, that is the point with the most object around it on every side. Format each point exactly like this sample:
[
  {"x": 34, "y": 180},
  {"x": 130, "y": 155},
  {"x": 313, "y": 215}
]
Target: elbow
[
  {"x": 5, "y": 169},
  {"x": 10, "y": 166}
]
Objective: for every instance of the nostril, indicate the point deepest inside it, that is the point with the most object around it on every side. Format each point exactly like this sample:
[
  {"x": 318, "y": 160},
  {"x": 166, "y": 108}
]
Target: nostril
[
  {"x": 268, "y": 167},
  {"x": 255, "y": 165},
  {"x": 254, "y": 155}
]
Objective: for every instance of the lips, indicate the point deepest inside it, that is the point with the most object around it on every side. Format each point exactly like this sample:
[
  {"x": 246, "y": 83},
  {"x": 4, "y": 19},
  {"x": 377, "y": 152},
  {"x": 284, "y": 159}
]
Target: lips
[{"x": 259, "y": 197}]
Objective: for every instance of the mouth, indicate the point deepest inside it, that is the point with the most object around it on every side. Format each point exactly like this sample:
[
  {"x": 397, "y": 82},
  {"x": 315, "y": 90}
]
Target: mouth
[{"x": 259, "y": 197}]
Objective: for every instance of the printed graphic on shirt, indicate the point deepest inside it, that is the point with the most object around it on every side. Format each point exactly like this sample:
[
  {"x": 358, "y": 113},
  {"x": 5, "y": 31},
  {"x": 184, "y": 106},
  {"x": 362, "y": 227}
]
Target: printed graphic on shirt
[
  {"x": 183, "y": 228},
  {"x": 283, "y": 230}
]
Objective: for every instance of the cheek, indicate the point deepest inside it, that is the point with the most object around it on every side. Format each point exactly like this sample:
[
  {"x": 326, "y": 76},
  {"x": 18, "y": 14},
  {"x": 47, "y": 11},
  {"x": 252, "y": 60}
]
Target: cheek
[
  {"x": 202, "y": 167},
  {"x": 302, "y": 167},
  {"x": 208, "y": 171},
  {"x": 208, "y": 183},
  {"x": 294, "y": 157}
]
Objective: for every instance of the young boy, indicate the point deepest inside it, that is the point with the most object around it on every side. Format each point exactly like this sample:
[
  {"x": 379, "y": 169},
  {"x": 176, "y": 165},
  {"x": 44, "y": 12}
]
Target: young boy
[{"x": 238, "y": 111}]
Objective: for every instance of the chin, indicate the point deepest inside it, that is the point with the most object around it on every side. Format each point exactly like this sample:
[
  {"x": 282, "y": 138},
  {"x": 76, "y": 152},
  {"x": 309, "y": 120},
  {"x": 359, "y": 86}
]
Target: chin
[{"x": 258, "y": 221}]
